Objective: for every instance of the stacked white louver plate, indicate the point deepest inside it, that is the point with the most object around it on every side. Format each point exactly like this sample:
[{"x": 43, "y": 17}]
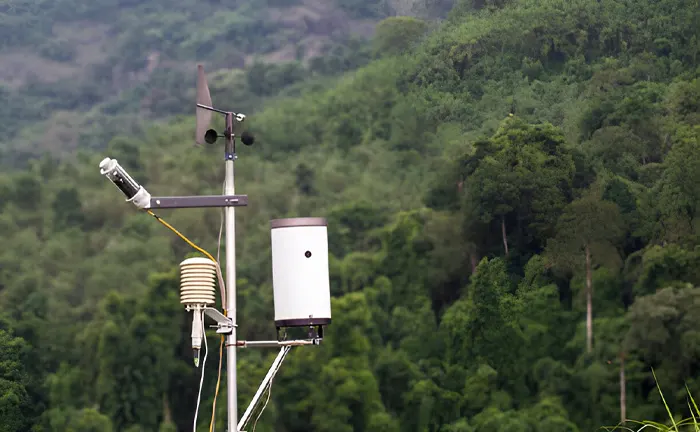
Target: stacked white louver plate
[{"x": 197, "y": 281}]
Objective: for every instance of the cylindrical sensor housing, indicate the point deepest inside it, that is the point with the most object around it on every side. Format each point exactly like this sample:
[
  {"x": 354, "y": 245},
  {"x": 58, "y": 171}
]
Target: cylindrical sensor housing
[
  {"x": 121, "y": 179},
  {"x": 300, "y": 276}
]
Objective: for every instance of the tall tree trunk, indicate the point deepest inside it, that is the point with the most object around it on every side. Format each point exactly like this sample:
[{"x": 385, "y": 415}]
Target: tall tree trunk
[
  {"x": 623, "y": 390},
  {"x": 503, "y": 233},
  {"x": 167, "y": 415},
  {"x": 589, "y": 302},
  {"x": 474, "y": 258}
]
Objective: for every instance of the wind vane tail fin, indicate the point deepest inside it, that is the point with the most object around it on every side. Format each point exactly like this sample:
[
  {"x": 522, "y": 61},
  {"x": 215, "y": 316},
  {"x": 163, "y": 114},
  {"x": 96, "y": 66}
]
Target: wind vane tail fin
[{"x": 203, "y": 98}]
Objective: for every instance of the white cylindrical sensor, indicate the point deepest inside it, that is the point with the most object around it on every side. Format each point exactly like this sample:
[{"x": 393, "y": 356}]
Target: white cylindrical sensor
[{"x": 300, "y": 278}]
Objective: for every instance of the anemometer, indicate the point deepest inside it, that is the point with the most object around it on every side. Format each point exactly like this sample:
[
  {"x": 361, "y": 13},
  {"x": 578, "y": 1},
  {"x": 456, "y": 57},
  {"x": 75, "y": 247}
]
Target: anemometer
[{"x": 300, "y": 275}]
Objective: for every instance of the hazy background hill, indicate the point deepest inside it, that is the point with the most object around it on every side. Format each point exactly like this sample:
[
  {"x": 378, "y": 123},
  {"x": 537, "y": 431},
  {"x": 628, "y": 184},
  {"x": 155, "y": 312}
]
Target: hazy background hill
[
  {"x": 74, "y": 74},
  {"x": 511, "y": 188}
]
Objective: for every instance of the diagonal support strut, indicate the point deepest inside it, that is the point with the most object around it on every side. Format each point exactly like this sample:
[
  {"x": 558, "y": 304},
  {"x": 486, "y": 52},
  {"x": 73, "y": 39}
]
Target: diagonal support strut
[{"x": 263, "y": 385}]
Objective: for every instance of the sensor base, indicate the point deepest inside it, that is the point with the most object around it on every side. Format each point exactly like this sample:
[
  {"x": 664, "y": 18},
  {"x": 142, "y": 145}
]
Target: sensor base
[{"x": 303, "y": 322}]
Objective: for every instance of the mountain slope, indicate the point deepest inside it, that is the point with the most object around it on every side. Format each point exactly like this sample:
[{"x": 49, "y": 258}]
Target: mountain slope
[
  {"x": 86, "y": 72},
  {"x": 486, "y": 186}
]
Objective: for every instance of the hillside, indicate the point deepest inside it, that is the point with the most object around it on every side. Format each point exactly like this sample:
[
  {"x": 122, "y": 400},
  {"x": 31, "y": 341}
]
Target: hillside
[
  {"x": 74, "y": 75},
  {"x": 513, "y": 225}
]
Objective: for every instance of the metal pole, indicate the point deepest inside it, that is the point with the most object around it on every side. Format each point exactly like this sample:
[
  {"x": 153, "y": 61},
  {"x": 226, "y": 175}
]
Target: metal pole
[{"x": 230, "y": 214}]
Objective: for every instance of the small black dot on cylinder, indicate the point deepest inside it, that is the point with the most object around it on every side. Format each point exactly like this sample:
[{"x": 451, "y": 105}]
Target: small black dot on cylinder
[{"x": 307, "y": 254}]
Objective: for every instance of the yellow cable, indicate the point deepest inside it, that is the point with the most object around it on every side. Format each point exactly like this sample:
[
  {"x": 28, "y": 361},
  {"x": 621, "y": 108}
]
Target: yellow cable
[
  {"x": 170, "y": 227},
  {"x": 189, "y": 242},
  {"x": 218, "y": 381},
  {"x": 221, "y": 346}
]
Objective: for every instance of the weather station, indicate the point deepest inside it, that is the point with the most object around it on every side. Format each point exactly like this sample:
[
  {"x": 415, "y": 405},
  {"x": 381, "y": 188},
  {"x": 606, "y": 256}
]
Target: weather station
[{"x": 300, "y": 271}]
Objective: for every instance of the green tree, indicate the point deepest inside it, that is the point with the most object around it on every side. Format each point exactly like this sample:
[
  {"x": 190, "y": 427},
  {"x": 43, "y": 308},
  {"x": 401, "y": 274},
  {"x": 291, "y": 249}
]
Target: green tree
[
  {"x": 587, "y": 234},
  {"x": 67, "y": 209},
  {"x": 395, "y": 35},
  {"x": 677, "y": 192},
  {"x": 526, "y": 181},
  {"x": 484, "y": 325},
  {"x": 90, "y": 420},
  {"x": 15, "y": 403}
]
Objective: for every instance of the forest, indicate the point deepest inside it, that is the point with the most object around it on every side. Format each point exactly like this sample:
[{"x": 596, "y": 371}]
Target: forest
[{"x": 512, "y": 189}]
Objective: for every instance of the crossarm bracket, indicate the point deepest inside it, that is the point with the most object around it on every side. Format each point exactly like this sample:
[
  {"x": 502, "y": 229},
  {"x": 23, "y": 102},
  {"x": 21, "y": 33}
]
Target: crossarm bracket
[{"x": 202, "y": 201}]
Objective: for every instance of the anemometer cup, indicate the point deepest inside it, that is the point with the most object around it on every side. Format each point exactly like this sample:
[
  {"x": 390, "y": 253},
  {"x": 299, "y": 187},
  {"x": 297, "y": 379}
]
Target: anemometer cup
[{"x": 211, "y": 135}]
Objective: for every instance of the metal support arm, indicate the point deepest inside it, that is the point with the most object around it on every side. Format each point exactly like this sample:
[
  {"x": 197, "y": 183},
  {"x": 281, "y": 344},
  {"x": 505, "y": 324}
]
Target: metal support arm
[
  {"x": 240, "y": 117},
  {"x": 274, "y": 344},
  {"x": 203, "y": 201},
  {"x": 263, "y": 385}
]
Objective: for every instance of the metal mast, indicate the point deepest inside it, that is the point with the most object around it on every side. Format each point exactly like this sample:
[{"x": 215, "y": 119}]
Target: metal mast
[{"x": 230, "y": 215}]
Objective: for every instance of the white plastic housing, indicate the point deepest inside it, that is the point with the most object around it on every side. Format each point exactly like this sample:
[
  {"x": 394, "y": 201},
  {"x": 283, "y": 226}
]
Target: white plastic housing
[
  {"x": 197, "y": 282},
  {"x": 300, "y": 279}
]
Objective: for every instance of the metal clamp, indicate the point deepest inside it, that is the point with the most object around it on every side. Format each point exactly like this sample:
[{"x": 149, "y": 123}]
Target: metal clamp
[{"x": 224, "y": 324}]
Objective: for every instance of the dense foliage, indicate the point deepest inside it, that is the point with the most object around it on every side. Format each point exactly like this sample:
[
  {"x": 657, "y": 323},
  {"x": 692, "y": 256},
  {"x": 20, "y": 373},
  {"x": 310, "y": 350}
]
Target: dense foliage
[{"x": 513, "y": 223}]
